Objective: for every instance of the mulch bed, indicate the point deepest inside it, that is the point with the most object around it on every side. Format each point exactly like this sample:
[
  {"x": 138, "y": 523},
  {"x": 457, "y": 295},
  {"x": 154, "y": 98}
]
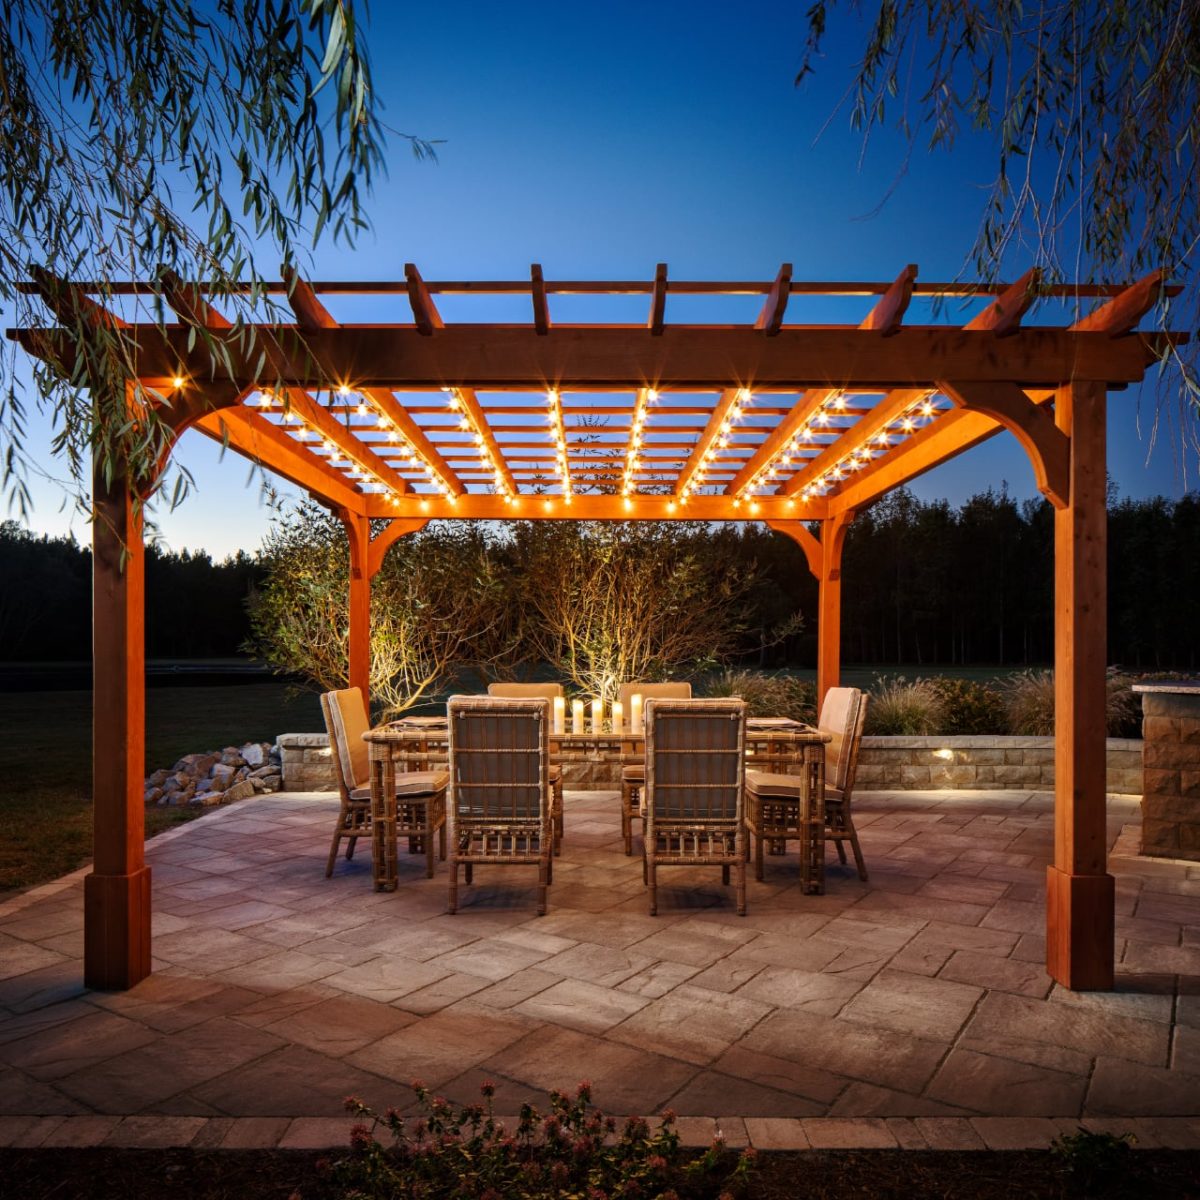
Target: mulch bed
[{"x": 815, "y": 1175}]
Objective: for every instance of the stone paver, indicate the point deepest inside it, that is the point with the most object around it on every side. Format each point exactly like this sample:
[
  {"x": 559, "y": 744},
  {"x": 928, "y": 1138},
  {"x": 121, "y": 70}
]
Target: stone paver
[{"x": 912, "y": 1010}]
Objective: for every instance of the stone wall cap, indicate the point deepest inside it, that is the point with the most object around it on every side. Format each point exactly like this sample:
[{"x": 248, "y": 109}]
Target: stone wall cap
[
  {"x": 980, "y": 741},
  {"x": 1177, "y": 687},
  {"x": 299, "y": 741}
]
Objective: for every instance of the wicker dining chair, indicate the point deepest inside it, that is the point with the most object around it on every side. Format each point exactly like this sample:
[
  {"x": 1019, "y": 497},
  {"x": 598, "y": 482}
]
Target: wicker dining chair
[
  {"x": 695, "y": 790},
  {"x": 790, "y": 806},
  {"x": 843, "y": 715},
  {"x": 500, "y": 784},
  {"x": 539, "y": 691},
  {"x": 419, "y": 809},
  {"x": 812, "y": 805},
  {"x": 633, "y": 773}
]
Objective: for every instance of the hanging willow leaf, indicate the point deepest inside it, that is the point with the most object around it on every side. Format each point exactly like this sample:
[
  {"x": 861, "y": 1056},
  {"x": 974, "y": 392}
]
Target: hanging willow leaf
[
  {"x": 180, "y": 115},
  {"x": 1094, "y": 109}
]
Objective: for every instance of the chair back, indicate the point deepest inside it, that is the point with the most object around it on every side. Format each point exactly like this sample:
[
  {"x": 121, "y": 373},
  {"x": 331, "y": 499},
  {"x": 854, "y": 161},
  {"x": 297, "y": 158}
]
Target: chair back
[
  {"x": 525, "y": 691},
  {"x": 653, "y": 691},
  {"x": 499, "y": 758},
  {"x": 843, "y": 714},
  {"x": 346, "y": 721},
  {"x": 695, "y": 761}
]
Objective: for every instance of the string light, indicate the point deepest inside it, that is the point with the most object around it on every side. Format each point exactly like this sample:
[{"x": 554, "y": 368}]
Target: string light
[
  {"x": 488, "y": 464},
  {"x": 645, "y": 397},
  {"x": 346, "y": 460},
  {"x": 558, "y": 435}
]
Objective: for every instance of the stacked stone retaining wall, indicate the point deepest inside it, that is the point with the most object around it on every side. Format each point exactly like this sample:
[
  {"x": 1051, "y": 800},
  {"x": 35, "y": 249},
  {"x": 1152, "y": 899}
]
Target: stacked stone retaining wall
[
  {"x": 980, "y": 762},
  {"x": 885, "y": 764}
]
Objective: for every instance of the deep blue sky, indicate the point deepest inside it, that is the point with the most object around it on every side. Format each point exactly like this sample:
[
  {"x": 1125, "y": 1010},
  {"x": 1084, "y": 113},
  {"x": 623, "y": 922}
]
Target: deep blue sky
[{"x": 599, "y": 140}]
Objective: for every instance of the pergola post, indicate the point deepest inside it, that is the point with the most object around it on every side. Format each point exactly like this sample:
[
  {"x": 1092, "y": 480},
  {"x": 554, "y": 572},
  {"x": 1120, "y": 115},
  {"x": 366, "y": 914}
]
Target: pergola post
[
  {"x": 116, "y": 943},
  {"x": 1079, "y": 891},
  {"x": 829, "y": 605},
  {"x": 358, "y": 640}
]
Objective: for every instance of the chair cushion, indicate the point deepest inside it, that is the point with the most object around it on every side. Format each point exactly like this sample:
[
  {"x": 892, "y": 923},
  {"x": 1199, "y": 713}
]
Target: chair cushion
[
  {"x": 762, "y": 783},
  {"x": 411, "y": 783},
  {"x": 347, "y": 718},
  {"x": 634, "y": 773},
  {"x": 840, "y": 715},
  {"x": 649, "y": 691},
  {"x": 525, "y": 691},
  {"x": 555, "y": 773}
]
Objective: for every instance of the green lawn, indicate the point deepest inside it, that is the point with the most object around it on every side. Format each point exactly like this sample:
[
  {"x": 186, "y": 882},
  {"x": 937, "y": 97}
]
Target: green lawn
[{"x": 46, "y": 748}]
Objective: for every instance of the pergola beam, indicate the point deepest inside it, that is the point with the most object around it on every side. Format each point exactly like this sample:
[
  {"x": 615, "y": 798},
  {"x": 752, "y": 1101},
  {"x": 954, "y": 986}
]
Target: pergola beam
[
  {"x": 425, "y": 312},
  {"x": 537, "y": 294},
  {"x": 507, "y": 358},
  {"x": 584, "y": 506},
  {"x": 658, "y": 301},
  {"x": 256, "y": 438},
  {"x": 770, "y": 319}
]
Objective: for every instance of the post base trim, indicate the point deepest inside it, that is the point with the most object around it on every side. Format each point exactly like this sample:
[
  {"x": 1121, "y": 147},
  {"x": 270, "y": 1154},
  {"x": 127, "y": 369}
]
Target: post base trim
[
  {"x": 116, "y": 930},
  {"x": 1080, "y": 930}
]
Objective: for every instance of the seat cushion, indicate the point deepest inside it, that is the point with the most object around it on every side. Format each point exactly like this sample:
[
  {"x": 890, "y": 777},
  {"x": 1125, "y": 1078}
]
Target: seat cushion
[
  {"x": 762, "y": 783},
  {"x": 411, "y": 783},
  {"x": 555, "y": 773},
  {"x": 634, "y": 773}
]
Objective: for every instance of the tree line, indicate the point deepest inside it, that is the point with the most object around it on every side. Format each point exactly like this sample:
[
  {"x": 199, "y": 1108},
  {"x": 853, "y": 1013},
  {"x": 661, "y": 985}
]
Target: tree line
[
  {"x": 924, "y": 583},
  {"x": 195, "y": 607}
]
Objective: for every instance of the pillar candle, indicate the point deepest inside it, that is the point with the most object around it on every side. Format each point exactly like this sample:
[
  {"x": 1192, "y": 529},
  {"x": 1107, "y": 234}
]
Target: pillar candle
[
  {"x": 598, "y": 715},
  {"x": 560, "y": 715},
  {"x": 618, "y": 716},
  {"x": 635, "y": 713},
  {"x": 576, "y": 716}
]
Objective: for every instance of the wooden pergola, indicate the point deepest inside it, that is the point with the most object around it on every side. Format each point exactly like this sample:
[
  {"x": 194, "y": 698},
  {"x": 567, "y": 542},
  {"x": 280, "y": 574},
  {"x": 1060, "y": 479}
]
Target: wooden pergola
[{"x": 786, "y": 423}]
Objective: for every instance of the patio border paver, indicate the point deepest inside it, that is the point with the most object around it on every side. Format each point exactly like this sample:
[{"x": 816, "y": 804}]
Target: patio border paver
[{"x": 764, "y": 1133}]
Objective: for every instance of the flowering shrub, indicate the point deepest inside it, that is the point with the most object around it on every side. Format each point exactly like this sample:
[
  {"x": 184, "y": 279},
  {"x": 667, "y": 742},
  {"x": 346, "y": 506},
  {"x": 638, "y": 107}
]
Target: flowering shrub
[{"x": 462, "y": 1153}]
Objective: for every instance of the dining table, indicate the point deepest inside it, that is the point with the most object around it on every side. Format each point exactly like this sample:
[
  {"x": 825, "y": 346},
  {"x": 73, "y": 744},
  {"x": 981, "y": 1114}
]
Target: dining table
[{"x": 774, "y": 745}]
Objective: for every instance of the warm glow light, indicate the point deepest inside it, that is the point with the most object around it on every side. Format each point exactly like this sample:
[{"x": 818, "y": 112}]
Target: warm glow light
[{"x": 177, "y": 382}]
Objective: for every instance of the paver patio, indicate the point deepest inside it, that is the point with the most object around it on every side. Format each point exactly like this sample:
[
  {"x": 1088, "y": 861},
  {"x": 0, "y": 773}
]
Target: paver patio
[{"x": 921, "y": 994}]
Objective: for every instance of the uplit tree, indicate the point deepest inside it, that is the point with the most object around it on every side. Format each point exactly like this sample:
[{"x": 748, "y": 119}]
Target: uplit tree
[
  {"x": 145, "y": 137},
  {"x": 605, "y": 603},
  {"x": 440, "y": 605}
]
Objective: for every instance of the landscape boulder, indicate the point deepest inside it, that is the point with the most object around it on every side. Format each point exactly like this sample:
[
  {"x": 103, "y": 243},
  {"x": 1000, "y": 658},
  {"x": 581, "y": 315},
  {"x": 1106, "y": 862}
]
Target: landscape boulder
[
  {"x": 222, "y": 773},
  {"x": 240, "y": 791},
  {"x": 253, "y": 754},
  {"x": 196, "y": 765}
]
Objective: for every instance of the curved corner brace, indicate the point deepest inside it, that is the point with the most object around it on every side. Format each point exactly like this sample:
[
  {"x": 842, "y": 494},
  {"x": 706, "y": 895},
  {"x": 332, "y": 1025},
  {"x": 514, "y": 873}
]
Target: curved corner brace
[
  {"x": 799, "y": 534},
  {"x": 1049, "y": 449},
  {"x": 833, "y": 538},
  {"x": 397, "y": 528}
]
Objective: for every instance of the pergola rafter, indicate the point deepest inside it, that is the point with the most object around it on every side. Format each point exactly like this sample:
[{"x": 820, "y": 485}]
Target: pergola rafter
[{"x": 835, "y": 416}]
